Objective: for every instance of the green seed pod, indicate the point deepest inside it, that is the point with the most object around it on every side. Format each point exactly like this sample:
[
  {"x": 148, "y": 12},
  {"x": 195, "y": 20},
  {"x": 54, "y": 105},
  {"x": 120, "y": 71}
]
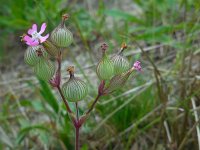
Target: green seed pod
[
  {"x": 105, "y": 67},
  {"x": 33, "y": 54},
  {"x": 61, "y": 36},
  {"x": 45, "y": 69},
  {"x": 74, "y": 89},
  {"x": 121, "y": 63}
]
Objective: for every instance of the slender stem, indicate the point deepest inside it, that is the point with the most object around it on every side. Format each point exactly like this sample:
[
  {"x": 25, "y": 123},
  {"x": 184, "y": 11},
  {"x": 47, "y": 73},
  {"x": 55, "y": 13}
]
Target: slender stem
[
  {"x": 93, "y": 104},
  {"x": 77, "y": 127},
  {"x": 77, "y": 111},
  {"x": 77, "y": 138},
  {"x": 59, "y": 65},
  {"x": 63, "y": 98},
  {"x": 58, "y": 86},
  {"x": 75, "y": 121}
]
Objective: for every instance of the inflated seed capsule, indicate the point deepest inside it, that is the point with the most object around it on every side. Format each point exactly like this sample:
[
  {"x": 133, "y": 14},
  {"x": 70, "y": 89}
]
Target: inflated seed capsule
[
  {"x": 61, "y": 36},
  {"x": 74, "y": 89},
  {"x": 33, "y": 54},
  {"x": 105, "y": 67},
  {"x": 120, "y": 62},
  {"x": 45, "y": 69}
]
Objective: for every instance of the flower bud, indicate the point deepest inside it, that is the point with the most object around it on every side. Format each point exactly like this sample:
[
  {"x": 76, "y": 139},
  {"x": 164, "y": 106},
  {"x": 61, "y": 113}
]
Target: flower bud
[
  {"x": 105, "y": 67},
  {"x": 50, "y": 48},
  {"x": 74, "y": 89},
  {"x": 33, "y": 54},
  {"x": 137, "y": 66},
  {"x": 61, "y": 36},
  {"x": 121, "y": 63},
  {"x": 44, "y": 69},
  {"x": 119, "y": 80}
]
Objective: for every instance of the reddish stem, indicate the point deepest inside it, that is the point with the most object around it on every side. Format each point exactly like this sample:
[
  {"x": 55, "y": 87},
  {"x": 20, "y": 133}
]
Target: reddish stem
[
  {"x": 100, "y": 93},
  {"x": 58, "y": 78},
  {"x": 77, "y": 138},
  {"x": 63, "y": 98},
  {"x": 77, "y": 127}
]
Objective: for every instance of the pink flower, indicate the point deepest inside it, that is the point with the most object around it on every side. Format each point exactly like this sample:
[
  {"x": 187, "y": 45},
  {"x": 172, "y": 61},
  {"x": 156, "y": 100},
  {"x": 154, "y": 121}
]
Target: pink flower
[
  {"x": 36, "y": 37},
  {"x": 137, "y": 66}
]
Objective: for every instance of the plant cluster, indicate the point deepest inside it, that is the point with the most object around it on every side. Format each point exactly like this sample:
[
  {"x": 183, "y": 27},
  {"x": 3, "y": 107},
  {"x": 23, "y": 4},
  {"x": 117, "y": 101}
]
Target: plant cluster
[{"x": 44, "y": 51}]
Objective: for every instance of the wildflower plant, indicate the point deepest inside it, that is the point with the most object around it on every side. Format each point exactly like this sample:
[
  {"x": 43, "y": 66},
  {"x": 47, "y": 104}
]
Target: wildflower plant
[{"x": 112, "y": 72}]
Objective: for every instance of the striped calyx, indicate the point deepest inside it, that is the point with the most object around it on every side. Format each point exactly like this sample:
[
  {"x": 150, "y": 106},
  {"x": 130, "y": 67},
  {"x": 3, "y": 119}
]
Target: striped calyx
[
  {"x": 45, "y": 69},
  {"x": 61, "y": 36},
  {"x": 74, "y": 89},
  {"x": 105, "y": 67},
  {"x": 121, "y": 63},
  {"x": 118, "y": 81},
  {"x": 33, "y": 54}
]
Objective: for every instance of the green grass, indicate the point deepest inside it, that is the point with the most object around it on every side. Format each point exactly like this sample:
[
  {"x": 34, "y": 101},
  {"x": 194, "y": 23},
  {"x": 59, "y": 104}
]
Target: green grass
[{"x": 129, "y": 118}]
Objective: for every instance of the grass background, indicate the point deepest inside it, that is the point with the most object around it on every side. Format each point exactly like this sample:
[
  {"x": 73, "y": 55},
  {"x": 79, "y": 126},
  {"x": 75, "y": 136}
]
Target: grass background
[{"x": 157, "y": 109}]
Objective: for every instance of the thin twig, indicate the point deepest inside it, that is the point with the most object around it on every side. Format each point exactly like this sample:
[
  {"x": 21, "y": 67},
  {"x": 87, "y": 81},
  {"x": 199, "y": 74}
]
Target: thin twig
[
  {"x": 167, "y": 131},
  {"x": 187, "y": 135},
  {"x": 196, "y": 119}
]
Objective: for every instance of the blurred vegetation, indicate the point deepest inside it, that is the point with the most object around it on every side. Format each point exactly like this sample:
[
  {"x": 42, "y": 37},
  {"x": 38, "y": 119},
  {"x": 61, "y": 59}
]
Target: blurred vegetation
[{"x": 157, "y": 109}]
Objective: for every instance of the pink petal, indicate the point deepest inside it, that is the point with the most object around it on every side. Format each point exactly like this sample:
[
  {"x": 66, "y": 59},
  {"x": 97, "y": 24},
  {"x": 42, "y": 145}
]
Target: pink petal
[
  {"x": 34, "y": 27},
  {"x": 42, "y": 39},
  {"x": 27, "y": 39},
  {"x": 34, "y": 43},
  {"x": 43, "y": 27},
  {"x": 30, "y": 31},
  {"x": 30, "y": 41}
]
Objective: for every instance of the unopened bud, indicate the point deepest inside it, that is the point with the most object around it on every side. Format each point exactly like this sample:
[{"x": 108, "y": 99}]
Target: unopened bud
[
  {"x": 51, "y": 49},
  {"x": 33, "y": 54},
  {"x": 45, "y": 69},
  {"x": 119, "y": 80},
  {"x": 105, "y": 67}
]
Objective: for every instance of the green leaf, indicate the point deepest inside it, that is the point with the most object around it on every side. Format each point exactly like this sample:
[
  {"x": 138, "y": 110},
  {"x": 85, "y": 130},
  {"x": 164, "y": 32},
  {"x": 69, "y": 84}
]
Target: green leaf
[
  {"x": 84, "y": 147},
  {"x": 48, "y": 95},
  {"x": 5, "y": 138},
  {"x": 123, "y": 15},
  {"x": 24, "y": 131}
]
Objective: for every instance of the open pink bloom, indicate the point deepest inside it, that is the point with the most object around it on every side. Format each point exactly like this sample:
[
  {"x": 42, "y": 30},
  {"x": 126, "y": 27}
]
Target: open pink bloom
[
  {"x": 35, "y": 37},
  {"x": 137, "y": 66}
]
